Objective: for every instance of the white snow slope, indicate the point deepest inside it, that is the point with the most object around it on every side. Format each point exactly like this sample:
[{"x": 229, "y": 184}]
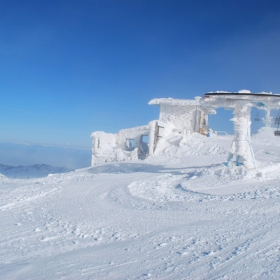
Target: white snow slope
[{"x": 179, "y": 215}]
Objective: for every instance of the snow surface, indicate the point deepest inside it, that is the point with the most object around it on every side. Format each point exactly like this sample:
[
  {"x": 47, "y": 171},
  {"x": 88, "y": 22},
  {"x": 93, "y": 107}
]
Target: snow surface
[{"x": 178, "y": 215}]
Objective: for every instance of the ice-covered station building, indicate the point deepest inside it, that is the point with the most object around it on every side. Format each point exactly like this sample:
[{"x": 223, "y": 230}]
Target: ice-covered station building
[
  {"x": 179, "y": 117},
  {"x": 241, "y": 103}
]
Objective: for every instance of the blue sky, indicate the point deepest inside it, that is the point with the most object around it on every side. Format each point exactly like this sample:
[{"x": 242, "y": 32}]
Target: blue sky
[{"x": 68, "y": 68}]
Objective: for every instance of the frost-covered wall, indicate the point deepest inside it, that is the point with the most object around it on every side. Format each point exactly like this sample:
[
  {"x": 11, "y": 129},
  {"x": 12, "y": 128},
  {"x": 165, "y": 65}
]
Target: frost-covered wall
[
  {"x": 135, "y": 133},
  {"x": 185, "y": 115},
  {"x": 177, "y": 117},
  {"x": 181, "y": 117},
  {"x": 102, "y": 146},
  {"x": 125, "y": 144}
]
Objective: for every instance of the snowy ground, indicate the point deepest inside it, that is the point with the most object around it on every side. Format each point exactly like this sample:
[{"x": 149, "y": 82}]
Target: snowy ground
[{"x": 179, "y": 215}]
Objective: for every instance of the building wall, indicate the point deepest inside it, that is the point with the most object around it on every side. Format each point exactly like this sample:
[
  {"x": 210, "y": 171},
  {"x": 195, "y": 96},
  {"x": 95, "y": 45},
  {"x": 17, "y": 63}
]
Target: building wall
[
  {"x": 182, "y": 117},
  {"x": 108, "y": 147},
  {"x": 176, "y": 117}
]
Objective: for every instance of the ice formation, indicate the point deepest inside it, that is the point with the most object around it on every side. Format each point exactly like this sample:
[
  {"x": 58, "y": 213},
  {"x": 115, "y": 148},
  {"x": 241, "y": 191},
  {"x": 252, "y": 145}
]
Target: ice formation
[
  {"x": 185, "y": 115},
  {"x": 241, "y": 103},
  {"x": 177, "y": 117},
  {"x": 118, "y": 147}
]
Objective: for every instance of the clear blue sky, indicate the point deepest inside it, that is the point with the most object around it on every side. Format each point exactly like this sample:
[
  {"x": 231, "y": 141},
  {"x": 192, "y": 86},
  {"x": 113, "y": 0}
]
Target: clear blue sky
[{"x": 68, "y": 68}]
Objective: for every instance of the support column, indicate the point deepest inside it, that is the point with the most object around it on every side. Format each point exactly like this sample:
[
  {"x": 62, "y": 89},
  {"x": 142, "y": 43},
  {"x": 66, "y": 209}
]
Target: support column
[
  {"x": 241, "y": 146},
  {"x": 152, "y": 136}
]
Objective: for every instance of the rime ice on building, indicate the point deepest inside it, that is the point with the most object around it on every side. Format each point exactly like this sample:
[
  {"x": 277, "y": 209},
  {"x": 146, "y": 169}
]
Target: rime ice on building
[
  {"x": 125, "y": 144},
  {"x": 177, "y": 116},
  {"x": 241, "y": 103},
  {"x": 183, "y": 114}
]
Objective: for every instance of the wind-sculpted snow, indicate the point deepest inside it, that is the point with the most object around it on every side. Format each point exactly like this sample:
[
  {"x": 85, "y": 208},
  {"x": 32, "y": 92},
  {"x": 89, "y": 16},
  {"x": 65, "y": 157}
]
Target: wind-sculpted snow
[{"x": 179, "y": 215}]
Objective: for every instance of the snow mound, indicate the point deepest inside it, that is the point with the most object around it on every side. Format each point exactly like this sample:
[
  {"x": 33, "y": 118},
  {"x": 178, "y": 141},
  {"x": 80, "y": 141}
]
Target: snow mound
[{"x": 30, "y": 171}]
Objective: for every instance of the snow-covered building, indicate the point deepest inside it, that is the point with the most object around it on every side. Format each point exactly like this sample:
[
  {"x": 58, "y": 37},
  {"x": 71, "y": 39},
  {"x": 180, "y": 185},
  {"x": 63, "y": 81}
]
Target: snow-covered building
[
  {"x": 185, "y": 115},
  {"x": 241, "y": 103},
  {"x": 179, "y": 117},
  {"x": 125, "y": 144}
]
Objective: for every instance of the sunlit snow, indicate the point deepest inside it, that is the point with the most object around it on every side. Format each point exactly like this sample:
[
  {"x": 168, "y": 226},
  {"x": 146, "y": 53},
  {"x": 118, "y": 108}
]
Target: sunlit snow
[{"x": 181, "y": 214}]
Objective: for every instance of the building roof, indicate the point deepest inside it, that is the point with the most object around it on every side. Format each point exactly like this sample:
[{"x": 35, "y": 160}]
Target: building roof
[
  {"x": 230, "y": 100},
  {"x": 176, "y": 102}
]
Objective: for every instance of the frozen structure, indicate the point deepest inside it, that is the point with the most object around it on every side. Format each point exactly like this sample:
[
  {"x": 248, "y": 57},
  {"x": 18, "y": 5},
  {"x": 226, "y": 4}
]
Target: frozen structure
[
  {"x": 185, "y": 115},
  {"x": 125, "y": 144},
  {"x": 177, "y": 117},
  {"x": 241, "y": 103}
]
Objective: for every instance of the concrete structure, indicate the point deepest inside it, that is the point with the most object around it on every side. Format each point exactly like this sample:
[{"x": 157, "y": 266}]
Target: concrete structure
[
  {"x": 177, "y": 116},
  {"x": 184, "y": 115},
  {"x": 241, "y": 103}
]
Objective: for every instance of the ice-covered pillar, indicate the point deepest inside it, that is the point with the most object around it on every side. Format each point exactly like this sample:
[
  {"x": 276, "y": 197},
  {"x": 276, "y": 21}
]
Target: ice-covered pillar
[
  {"x": 241, "y": 146},
  {"x": 138, "y": 141},
  {"x": 152, "y": 136}
]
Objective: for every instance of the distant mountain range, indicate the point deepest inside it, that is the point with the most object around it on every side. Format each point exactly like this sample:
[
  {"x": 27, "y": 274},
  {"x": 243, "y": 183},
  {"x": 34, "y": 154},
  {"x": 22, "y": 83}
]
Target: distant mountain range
[
  {"x": 30, "y": 171},
  {"x": 30, "y": 154}
]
